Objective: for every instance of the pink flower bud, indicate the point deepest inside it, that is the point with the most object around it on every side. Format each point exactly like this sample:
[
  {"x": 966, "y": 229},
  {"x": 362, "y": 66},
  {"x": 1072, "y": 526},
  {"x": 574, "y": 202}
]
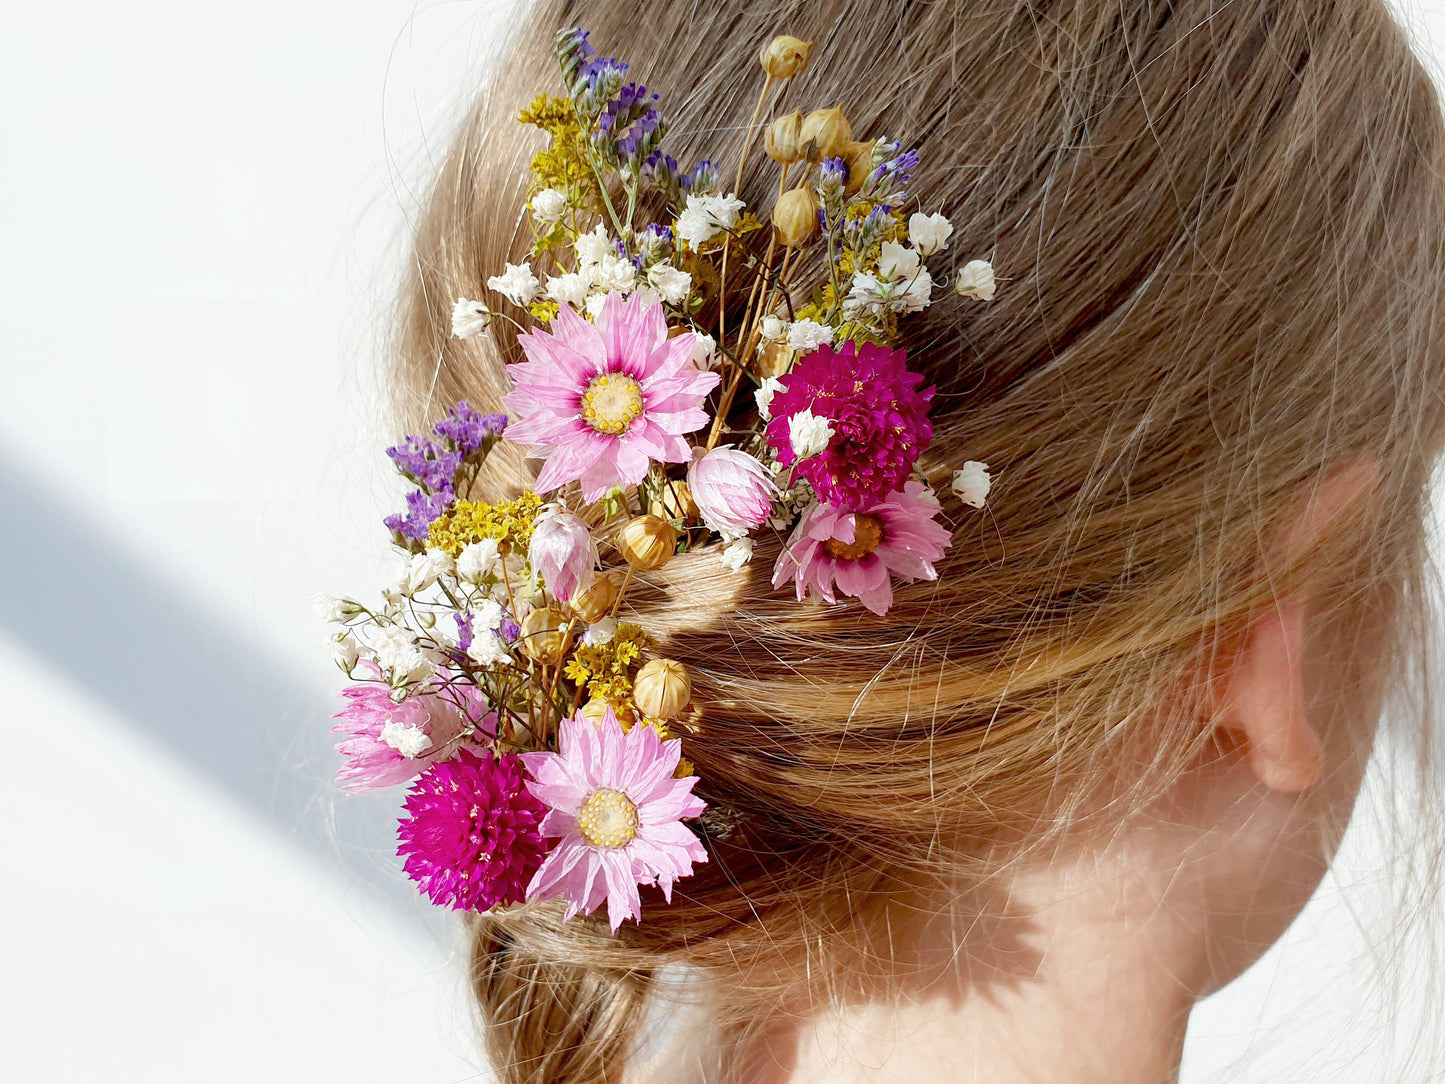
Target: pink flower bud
[
  {"x": 732, "y": 490},
  {"x": 565, "y": 553}
]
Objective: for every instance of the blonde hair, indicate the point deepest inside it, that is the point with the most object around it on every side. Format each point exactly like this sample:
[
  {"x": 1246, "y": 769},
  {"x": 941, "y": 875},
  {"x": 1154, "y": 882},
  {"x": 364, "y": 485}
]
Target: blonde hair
[{"x": 1222, "y": 229}]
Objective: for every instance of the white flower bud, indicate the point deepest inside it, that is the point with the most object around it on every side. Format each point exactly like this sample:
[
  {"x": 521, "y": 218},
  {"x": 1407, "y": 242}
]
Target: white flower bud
[
  {"x": 972, "y": 483},
  {"x": 975, "y": 279},
  {"x": 928, "y": 233},
  {"x": 549, "y": 205},
  {"x": 808, "y": 434},
  {"x": 470, "y": 318}
]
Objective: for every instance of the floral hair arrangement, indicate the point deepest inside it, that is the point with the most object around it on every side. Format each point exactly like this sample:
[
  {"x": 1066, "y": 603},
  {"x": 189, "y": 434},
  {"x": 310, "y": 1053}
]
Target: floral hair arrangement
[{"x": 539, "y": 730}]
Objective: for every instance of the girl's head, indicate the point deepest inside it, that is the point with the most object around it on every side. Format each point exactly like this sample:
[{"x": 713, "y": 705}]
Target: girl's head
[{"x": 1211, "y": 401}]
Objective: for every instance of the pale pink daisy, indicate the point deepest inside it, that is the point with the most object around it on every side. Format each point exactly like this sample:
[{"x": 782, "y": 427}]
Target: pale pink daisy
[
  {"x": 613, "y": 799},
  {"x": 602, "y": 402},
  {"x": 834, "y": 551},
  {"x": 388, "y": 743}
]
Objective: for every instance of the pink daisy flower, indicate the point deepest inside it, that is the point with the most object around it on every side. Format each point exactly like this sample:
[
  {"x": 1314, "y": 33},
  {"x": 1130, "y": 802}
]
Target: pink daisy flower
[
  {"x": 471, "y": 834},
  {"x": 857, "y": 553},
  {"x": 389, "y": 743},
  {"x": 602, "y": 402},
  {"x": 614, "y": 801}
]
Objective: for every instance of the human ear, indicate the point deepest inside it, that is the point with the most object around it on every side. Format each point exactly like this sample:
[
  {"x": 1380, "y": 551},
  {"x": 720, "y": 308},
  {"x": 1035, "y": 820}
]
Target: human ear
[{"x": 1259, "y": 689}]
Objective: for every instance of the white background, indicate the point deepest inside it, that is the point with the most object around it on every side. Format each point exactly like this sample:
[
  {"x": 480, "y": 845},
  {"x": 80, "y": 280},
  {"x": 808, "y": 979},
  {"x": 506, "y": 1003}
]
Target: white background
[{"x": 204, "y": 208}]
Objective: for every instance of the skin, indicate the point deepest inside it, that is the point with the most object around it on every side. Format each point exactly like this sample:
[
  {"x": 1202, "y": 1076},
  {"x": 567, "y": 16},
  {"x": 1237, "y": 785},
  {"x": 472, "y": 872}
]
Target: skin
[{"x": 1088, "y": 965}]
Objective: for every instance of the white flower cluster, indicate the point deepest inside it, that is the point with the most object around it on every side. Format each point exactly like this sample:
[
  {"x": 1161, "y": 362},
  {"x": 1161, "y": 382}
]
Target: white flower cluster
[
  {"x": 802, "y": 336},
  {"x": 412, "y": 635},
  {"x": 603, "y": 269},
  {"x": 705, "y": 217}
]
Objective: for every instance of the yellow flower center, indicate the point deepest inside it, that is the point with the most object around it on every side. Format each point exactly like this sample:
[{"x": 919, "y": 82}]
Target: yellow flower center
[
  {"x": 608, "y": 818},
  {"x": 611, "y": 402},
  {"x": 867, "y": 534}
]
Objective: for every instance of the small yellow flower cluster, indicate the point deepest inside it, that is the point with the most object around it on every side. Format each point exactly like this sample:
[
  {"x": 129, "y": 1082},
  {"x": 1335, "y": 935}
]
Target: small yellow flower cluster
[
  {"x": 466, "y": 522},
  {"x": 564, "y": 163},
  {"x": 607, "y": 669}
]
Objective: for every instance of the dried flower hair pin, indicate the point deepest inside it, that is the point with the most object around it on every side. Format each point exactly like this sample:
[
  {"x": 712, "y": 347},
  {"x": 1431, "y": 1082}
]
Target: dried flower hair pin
[{"x": 538, "y": 728}]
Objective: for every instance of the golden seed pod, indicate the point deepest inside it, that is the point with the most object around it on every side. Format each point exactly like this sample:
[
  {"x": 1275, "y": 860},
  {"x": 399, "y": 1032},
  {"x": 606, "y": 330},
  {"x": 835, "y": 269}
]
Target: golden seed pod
[
  {"x": 662, "y": 688},
  {"x": 795, "y": 218},
  {"x": 826, "y": 133},
  {"x": 785, "y": 56},
  {"x": 772, "y": 359},
  {"x": 542, "y": 636},
  {"x": 859, "y": 157},
  {"x": 783, "y": 139},
  {"x": 647, "y": 542},
  {"x": 596, "y": 601},
  {"x": 675, "y": 503},
  {"x": 595, "y": 710}
]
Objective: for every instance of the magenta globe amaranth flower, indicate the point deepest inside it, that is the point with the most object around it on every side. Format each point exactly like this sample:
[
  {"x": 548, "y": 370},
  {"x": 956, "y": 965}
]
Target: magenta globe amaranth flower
[
  {"x": 732, "y": 490},
  {"x": 388, "y": 743},
  {"x": 564, "y": 552},
  {"x": 471, "y": 835},
  {"x": 613, "y": 800},
  {"x": 833, "y": 551},
  {"x": 877, "y": 413},
  {"x": 603, "y": 402}
]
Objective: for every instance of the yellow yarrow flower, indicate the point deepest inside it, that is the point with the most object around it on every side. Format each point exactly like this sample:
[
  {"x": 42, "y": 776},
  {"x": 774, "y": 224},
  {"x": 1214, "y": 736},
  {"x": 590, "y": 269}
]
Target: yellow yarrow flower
[
  {"x": 466, "y": 522},
  {"x": 606, "y": 670}
]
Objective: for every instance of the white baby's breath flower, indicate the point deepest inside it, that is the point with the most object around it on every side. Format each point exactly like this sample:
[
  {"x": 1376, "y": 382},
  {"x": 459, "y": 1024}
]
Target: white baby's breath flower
[
  {"x": 569, "y": 289},
  {"x": 975, "y": 279},
  {"x": 476, "y": 559},
  {"x": 770, "y": 386},
  {"x": 592, "y": 248},
  {"x": 808, "y": 434},
  {"x": 773, "y": 329},
  {"x": 919, "y": 294},
  {"x": 410, "y": 741},
  {"x": 396, "y": 650},
  {"x": 488, "y": 615},
  {"x": 704, "y": 350},
  {"x": 600, "y": 632},
  {"x": 346, "y": 651},
  {"x": 334, "y": 610},
  {"x": 594, "y": 305},
  {"x": 736, "y": 555},
  {"x": 705, "y": 217},
  {"x": 647, "y": 296},
  {"x": 549, "y": 205},
  {"x": 517, "y": 284},
  {"x": 805, "y": 336},
  {"x": 424, "y": 568},
  {"x": 972, "y": 483},
  {"x": 612, "y": 272},
  {"x": 487, "y": 649},
  {"x": 470, "y": 318},
  {"x": 673, "y": 284},
  {"x": 928, "y": 233},
  {"x": 896, "y": 263}
]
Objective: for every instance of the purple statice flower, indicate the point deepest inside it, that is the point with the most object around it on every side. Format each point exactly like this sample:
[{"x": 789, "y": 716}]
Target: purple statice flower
[
  {"x": 860, "y": 235},
  {"x": 469, "y": 431},
  {"x": 421, "y": 509},
  {"x": 702, "y": 180},
  {"x": 654, "y": 245},
  {"x": 598, "y": 81},
  {"x": 877, "y": 413},
  {"x": 573, "y": 51},
  {"x": 509, "y": 630},
  {"x": 472, "y": 835},
  {"x": 430, "y": 465},
  {"x": 465, "y": 635},
  {"x": 662, "y": 172},
  {"x": 885, "y": 183}
]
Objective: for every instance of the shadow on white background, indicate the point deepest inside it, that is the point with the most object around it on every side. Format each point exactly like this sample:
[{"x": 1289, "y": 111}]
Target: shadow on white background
[{"x": 205, "y": 208}]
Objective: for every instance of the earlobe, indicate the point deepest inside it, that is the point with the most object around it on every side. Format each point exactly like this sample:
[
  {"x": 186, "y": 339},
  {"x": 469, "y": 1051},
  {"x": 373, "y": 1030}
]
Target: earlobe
[{"x": 1264, "y": 698}]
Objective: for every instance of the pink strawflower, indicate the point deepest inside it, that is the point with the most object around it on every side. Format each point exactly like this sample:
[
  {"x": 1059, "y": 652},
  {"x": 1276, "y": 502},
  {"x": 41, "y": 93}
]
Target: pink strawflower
[
  {"x": 732, "y": 490},
  {"x": 602, "y": 402},
  {"x": 878, "y": 415},
  {"x": 389, "y": 743},
  {"x": 856, "y": 553},
  {"x": 613, "y": 800},
  {"x": 564, "y": 552},
  {"x": 471, "y": 835}
]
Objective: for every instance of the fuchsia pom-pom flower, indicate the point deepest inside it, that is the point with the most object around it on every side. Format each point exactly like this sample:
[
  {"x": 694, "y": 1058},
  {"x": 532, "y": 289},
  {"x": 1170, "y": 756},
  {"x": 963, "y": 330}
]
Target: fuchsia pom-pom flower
[
  {"x": 878, "y": 415},
  {"x": 564, "y": 552},
  {"x": 471, "y": 835},
  {"x": 603, "y": 402},
  {"x": 388, "y": 743},
  {"x": 833, "y": 551},
  {"x": 619, "y": 811},
  {"x": 732, "y": 490}
]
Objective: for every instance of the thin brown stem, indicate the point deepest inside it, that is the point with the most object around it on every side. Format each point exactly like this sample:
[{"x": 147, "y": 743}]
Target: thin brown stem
[{"x": 752, "y": 126}]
